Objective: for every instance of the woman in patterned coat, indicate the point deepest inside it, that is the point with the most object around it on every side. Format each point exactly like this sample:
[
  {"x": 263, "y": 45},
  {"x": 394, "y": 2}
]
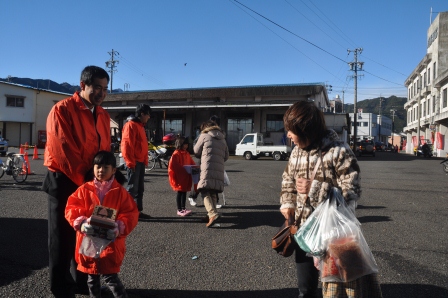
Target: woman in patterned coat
[{"x": 305, "y": 125}]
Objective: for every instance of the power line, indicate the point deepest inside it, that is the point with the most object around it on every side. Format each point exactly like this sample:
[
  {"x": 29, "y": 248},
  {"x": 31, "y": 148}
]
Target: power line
[
  {"x": 382, "y": 78},
  {"x": 333, "y": 24},
  {"x": 139, "y": 71},
  {"x": 307, "y": 41},
  {"x": 303, "y": 15},
  {"x": 288, "y": 43}
]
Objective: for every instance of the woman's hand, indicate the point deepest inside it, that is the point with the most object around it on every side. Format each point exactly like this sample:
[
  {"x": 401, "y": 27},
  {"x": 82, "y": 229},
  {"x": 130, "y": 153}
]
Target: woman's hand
[
  {"x": 303, "y": 185},
  {"x": 287, "y": 212}
]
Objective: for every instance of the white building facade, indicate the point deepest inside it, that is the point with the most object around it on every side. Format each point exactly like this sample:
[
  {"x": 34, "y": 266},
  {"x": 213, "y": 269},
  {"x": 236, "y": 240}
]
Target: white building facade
[
  {"x": 372, "y": 126},
  {"x": 427, "y": 104},
  {"x": 24, "y": 111}
]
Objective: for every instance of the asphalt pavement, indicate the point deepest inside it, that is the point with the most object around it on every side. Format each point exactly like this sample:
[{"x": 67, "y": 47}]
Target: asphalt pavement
[{"x": 403, "y": 211}]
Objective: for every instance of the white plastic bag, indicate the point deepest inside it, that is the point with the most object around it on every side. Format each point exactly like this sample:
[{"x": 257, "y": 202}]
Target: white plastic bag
[
  {"x": 333, "y": 234},
  {"x": 226, "y": 179},
  {"x": 93, "y": 246}
]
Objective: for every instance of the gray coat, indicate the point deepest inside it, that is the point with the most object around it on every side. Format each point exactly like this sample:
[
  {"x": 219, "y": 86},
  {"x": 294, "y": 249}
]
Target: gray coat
[{"x": 212, "y": 149}]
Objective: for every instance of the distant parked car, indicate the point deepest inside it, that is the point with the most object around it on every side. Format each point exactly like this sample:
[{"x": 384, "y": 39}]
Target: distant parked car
[
  {"x": 365, "y": 147},
  {"x": 3, "y": 146},
  {"x": 379, "y": 146}
]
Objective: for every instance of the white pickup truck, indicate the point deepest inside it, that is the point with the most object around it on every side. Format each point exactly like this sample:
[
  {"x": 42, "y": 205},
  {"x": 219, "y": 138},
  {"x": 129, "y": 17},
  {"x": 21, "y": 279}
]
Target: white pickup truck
[{"x": 252, "y": 147}]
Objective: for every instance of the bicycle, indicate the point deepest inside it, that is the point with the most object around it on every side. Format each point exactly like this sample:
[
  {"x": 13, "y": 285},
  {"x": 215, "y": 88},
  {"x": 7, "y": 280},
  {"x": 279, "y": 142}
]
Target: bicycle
[
  {"x": 16, "y": 166},
  {"x": 159, "y": 155}
]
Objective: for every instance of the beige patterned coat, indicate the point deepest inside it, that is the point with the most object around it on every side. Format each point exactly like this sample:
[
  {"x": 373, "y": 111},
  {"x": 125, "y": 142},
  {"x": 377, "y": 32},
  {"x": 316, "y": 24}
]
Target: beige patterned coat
[{"x": 341, "y": 170}]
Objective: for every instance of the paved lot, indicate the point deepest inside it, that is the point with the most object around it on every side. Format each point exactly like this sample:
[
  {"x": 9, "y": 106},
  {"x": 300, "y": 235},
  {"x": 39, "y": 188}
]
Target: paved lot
[{"x": 404, "y": 212}]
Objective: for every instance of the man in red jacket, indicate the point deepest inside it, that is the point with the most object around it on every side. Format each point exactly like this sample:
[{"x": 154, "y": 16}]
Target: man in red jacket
[
  {"x": 134, "y": 148},
  {"x": 77, "y": 128}
]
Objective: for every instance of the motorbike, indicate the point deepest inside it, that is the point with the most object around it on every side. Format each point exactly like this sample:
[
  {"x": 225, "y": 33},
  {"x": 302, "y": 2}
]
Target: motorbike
[
  {"x": 423, "y": 150},
  {"x": 156, "y": 154},
  {"x": 444, "y": 164}
]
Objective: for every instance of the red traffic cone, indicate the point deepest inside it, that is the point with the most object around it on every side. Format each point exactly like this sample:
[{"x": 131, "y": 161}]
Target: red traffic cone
[
  {"x": 21, "y": 151},
  {"x": 26, "y": 146},
  {"x": 35, "y": 155},
  {"x": 28, "y": 162}
]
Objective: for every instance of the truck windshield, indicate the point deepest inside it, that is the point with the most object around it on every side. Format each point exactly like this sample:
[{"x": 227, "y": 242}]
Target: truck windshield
[{"x": 248, "y": 139}]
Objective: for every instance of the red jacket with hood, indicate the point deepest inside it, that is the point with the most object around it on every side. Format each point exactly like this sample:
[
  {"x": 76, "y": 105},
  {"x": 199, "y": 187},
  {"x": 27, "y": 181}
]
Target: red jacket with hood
[
  {"x": 179, "y": 178},
  {"x": 134, "y": 144},
  {"x": 73, "y": 137},
  {"x": 81, "y": 203}
]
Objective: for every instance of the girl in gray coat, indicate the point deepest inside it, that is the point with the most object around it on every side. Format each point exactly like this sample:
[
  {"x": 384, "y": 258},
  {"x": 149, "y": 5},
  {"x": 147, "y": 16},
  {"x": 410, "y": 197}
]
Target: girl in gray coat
[{"x": 212, "y": 149}]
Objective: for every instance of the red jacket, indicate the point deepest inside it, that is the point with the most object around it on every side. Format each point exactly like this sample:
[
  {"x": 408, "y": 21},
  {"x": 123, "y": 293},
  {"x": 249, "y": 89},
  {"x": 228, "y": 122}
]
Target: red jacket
[
  {"x": 73, "y": 137},
  {"x": 134, "y": 144},
  {"x": 179, "y": 178},
  {"x": 81, "y": 203}
]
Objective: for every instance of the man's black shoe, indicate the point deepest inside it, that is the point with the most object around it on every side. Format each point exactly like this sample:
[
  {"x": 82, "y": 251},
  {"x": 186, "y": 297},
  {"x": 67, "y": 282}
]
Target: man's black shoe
[{"x": 144, "y": 216}]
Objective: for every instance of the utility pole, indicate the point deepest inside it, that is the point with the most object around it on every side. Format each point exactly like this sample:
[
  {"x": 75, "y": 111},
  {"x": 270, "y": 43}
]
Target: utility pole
[
  {"x": 380, "y": 119},
  {"x": 343, "y": 92},
  {"x": 111, "y": 65},
  {"x": 393, "y": 121},
  {"x": 355, "y": 66}
]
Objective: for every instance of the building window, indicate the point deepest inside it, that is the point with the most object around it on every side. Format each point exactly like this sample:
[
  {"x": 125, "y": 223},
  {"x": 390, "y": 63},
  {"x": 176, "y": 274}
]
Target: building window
[
  {"x": 424, "y": 109},
  {"x": 434, "y": 74},
  {"x": 274, "y": 122},
  {"x": 365, "y": 124},
  {"x": 424, "y": 79},
  {"x": 429, "y": 75},
  {"x": 15, "y": 101},
  {"x": 434, "y": 104},
  {"x": 173, "y": 126},
  {"x": 444, "y": 99}
]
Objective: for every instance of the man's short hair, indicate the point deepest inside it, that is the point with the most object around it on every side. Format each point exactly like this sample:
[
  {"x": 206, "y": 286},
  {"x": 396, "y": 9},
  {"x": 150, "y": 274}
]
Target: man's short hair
[
  {"x": 91, "y": 72},
  {"x": 142, "y": 108}
]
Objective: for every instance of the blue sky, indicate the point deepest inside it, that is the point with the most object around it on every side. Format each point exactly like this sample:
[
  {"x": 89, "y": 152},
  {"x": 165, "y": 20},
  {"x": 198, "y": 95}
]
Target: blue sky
[{"x": 223, "y": 42}]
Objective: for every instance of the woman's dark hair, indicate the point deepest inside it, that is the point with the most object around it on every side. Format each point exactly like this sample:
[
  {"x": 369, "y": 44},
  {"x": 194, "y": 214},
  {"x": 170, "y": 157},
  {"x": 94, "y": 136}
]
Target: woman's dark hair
[
  {"x": 142, "y": 108},
  {"x": 305, "y": 120},
  {"x": 180, "y": 141},
  {"x": 208, "y": 123},
  {"x": 105, "y": 158},
  {"x": 93, "y": 72}
]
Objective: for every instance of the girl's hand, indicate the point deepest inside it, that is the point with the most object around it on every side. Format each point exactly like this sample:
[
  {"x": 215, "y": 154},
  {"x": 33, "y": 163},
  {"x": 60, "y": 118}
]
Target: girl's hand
[
  {"x": 303, "y": 185},
  {"x": 287, "y": 212}
]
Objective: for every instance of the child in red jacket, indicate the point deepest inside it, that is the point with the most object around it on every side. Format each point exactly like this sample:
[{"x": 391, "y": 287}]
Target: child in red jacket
[
  {"x": 102, "y": 201},
  {"x": 180, "y": 179}
]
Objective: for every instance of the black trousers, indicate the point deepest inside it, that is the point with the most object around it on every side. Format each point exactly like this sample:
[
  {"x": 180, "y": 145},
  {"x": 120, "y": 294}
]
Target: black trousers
[
  {"x": 181, "y": 198},
  {"x": 136, "y": 183},
  {"x": 307, "y": 274},
  {"x": 112, "y": 281},
  {"x": 65, "y": 280}
]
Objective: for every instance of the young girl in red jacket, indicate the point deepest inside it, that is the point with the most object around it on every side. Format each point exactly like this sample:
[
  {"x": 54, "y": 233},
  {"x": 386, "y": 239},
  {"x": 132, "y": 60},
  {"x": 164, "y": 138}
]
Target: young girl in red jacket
[
  {"x": 103, "y": 188},
  {"x": 180, "y": 179}
]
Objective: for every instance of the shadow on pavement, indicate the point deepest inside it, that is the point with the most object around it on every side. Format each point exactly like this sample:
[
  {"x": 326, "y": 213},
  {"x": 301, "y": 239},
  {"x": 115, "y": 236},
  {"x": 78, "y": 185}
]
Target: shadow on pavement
[
  {"x": 23, "y": 248},
  {"x": 365, "y": 219},
  {"x": 412, "y": 291},
  {"x": 284, "y": 293},
  {"x": 389, "y": 291}
]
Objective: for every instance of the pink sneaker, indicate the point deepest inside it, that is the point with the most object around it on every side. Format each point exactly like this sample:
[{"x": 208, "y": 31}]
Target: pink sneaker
[
  {"x": 181, "y": 213},
  {"x": 186, "y": 211}
]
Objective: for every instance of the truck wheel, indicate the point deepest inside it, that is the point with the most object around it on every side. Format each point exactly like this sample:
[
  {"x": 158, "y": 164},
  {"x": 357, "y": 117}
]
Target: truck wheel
[
  {"x": 277, "y": 156},
  {"x": 248, "y": 155}
]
